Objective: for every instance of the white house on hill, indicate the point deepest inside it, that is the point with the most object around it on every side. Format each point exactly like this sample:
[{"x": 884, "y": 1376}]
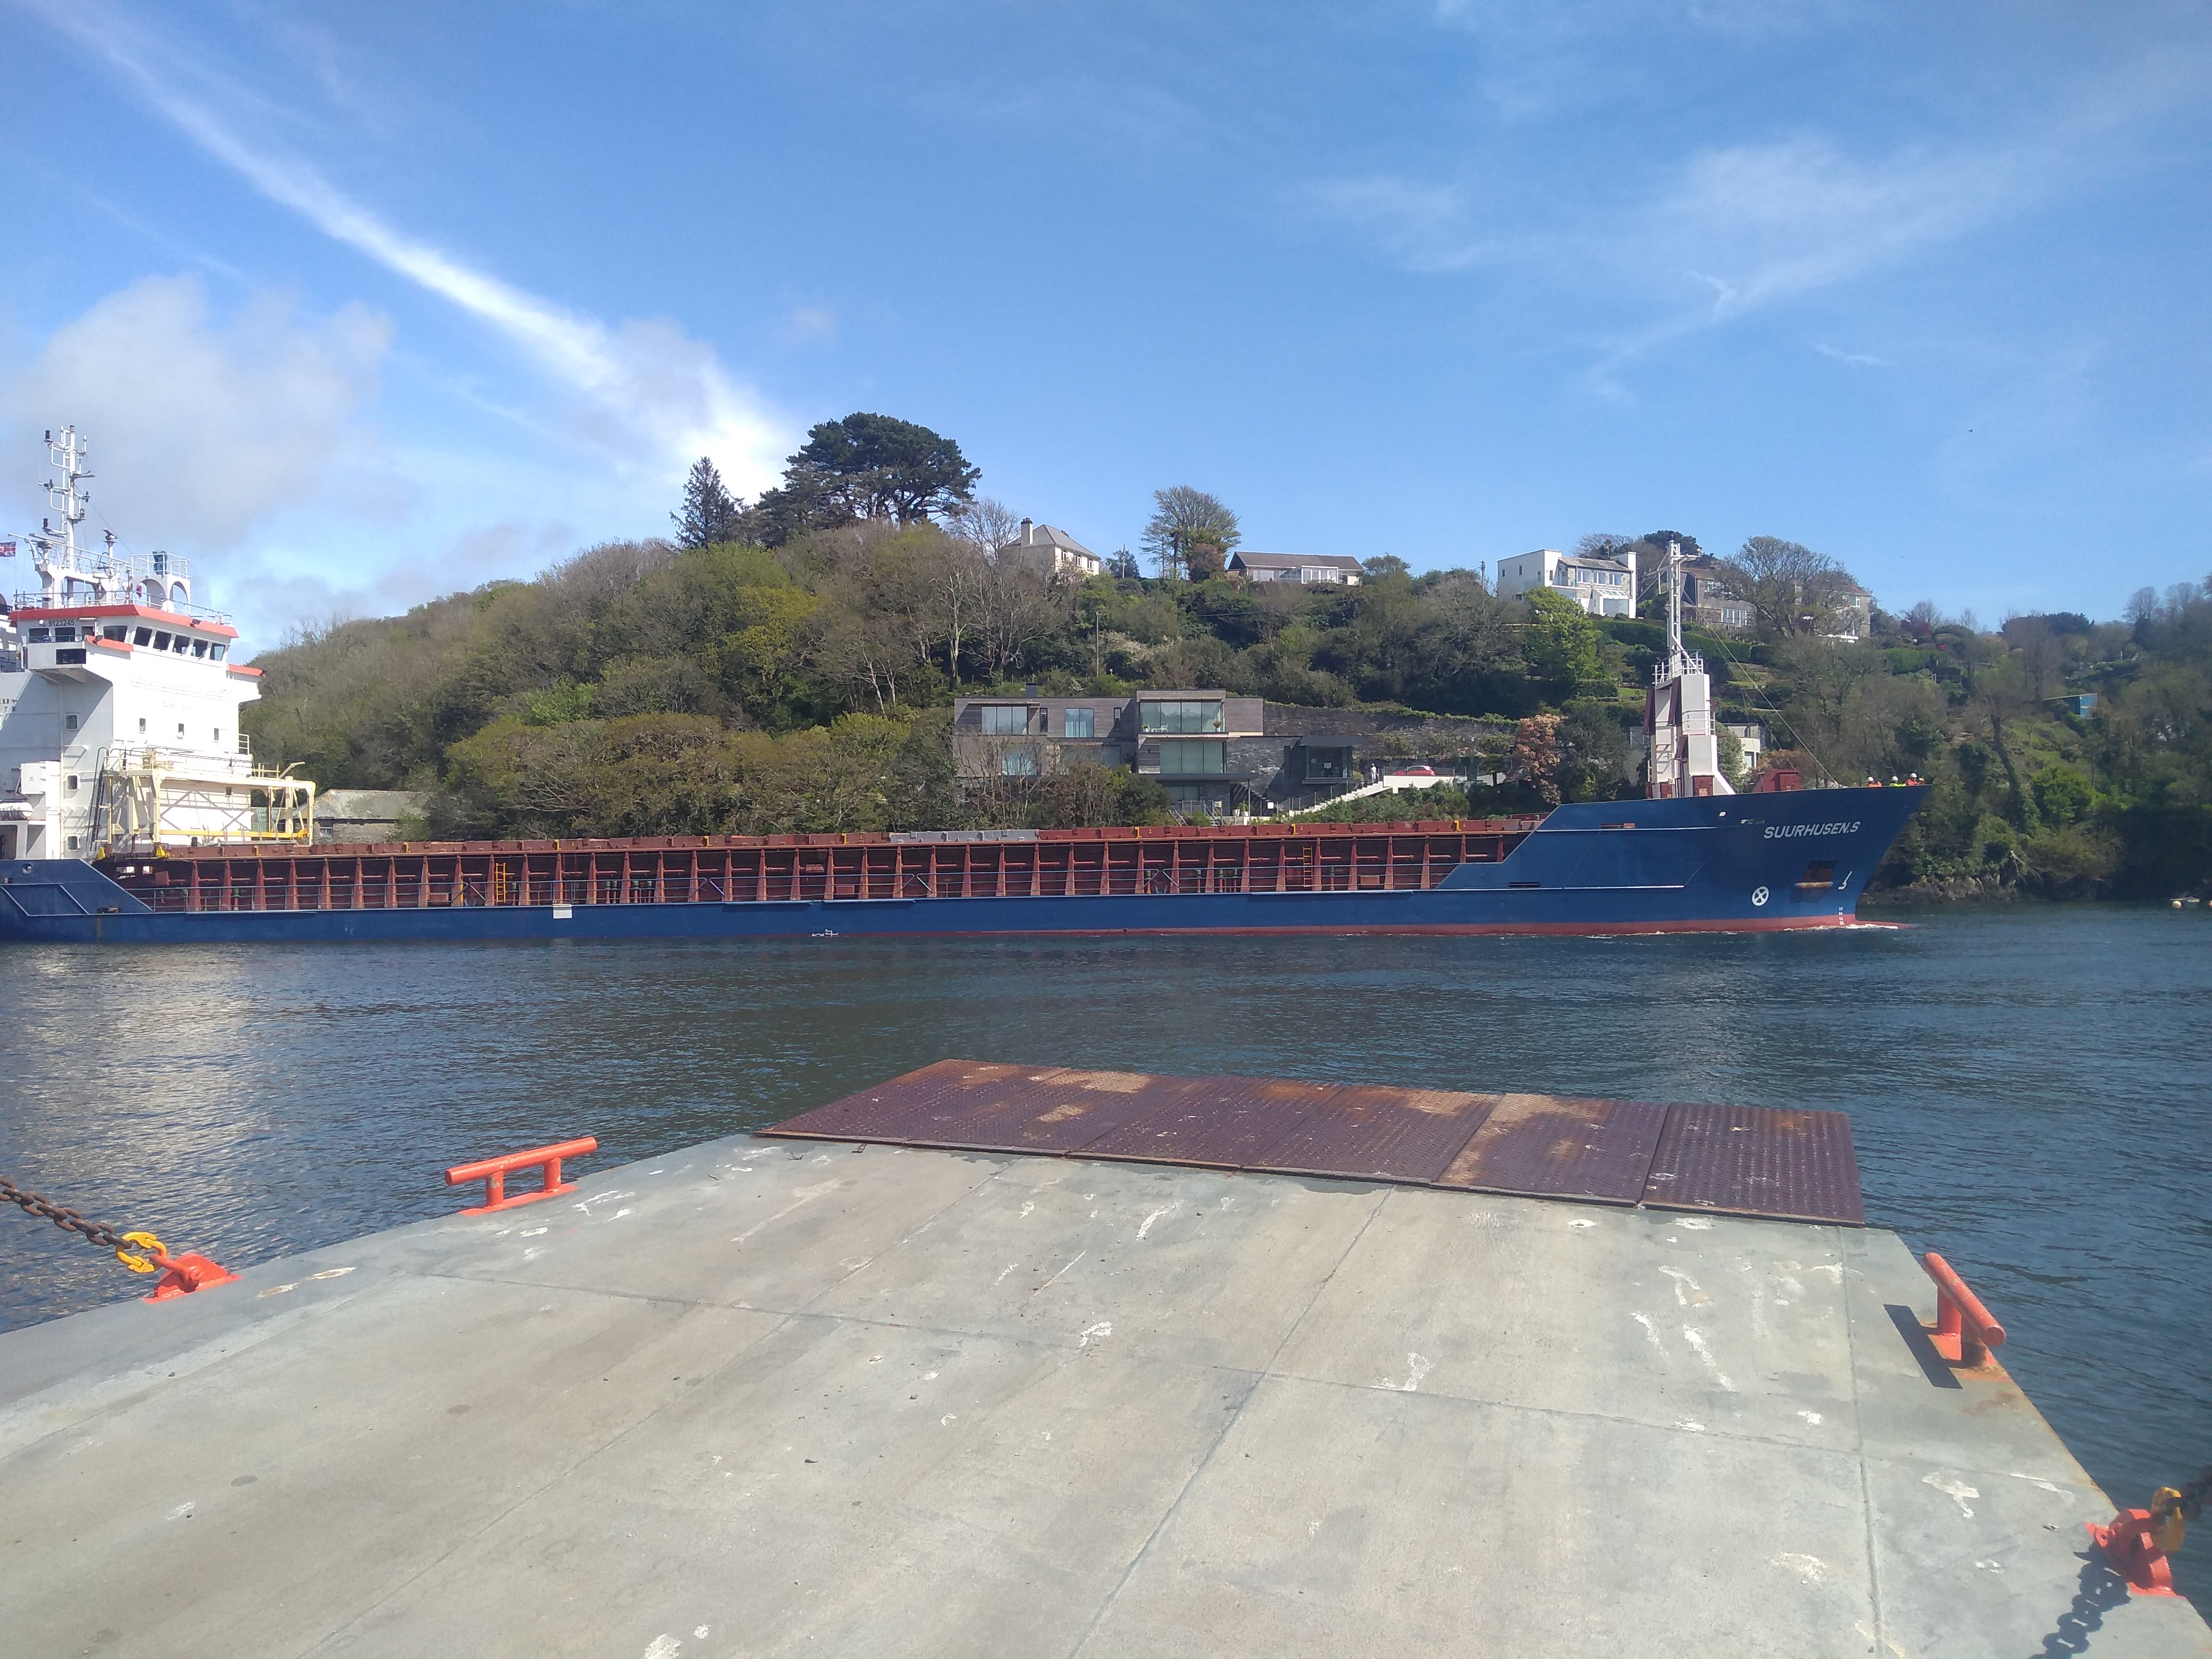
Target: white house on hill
[
  {"x": 1604, "y": 587},
  {"x": 1055, "y": 552}
]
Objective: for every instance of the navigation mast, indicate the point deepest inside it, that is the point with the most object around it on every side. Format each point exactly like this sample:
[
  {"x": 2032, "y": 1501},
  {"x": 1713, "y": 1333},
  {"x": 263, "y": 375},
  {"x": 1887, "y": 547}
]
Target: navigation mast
[
  {"x": 66, "y": 455},
  {"x": 165, "y": 582},
  {"x": 1678, "y": 710}
]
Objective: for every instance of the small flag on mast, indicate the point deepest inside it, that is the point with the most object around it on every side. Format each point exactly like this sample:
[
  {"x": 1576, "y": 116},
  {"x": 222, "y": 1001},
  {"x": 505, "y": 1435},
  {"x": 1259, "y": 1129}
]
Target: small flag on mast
[{"x": 7, "y": 550}]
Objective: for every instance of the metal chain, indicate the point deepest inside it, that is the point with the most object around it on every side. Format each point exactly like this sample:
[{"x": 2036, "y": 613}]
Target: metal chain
[
  {"x": 2188, "y": 1501},
  {"x": 39, "y": 1205}
]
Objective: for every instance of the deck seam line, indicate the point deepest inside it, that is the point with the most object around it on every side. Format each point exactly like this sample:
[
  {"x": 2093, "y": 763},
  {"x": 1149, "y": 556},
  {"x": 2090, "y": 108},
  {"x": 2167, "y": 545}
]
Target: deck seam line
[
  {"x": 1043, "y": 1344},
  {"x": 1880, "y": 1632},
  {"x": 905, "y": 1238},
  {"x": 821, "y": 1316},
  {"x": 1052, "y": 1345},
  {"x": 1568, "y": 1413},
  {"x": 1175, "y": 1507}
]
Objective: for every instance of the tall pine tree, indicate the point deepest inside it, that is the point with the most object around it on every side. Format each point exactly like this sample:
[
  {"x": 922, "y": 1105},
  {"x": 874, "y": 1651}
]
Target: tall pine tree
[{"x": 710, "y": 513}]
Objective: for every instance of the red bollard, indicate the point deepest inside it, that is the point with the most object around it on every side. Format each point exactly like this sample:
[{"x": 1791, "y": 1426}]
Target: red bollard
[
  {"x": 1965, "y": 1333},
  {"x": 493, "y": 1171},
  {"x": 2131, "y": 1546},
  {"x": 186, "y": 1272}
]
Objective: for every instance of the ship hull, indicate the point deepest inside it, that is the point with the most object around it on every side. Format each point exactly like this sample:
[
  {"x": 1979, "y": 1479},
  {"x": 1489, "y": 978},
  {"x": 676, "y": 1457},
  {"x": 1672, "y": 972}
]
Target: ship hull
[{"x": 1736, "y": 864}]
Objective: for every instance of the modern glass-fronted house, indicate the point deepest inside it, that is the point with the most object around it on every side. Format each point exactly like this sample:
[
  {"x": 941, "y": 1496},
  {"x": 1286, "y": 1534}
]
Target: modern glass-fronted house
[{"x": 1211, "y": 751}]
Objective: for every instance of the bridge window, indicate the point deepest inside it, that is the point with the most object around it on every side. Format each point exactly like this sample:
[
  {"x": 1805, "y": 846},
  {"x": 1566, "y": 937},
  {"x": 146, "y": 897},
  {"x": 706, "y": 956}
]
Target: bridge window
[
  {"x": 40, "y": 636},
  {"x": 161, "y": 642},
  {"x": 72, "y": 783},
  {"x": 69, "y": 722},
  {"x": 217, "y": 651},
  {"x": 114, "y": 631},
  {"x": 142, "y": 637}
]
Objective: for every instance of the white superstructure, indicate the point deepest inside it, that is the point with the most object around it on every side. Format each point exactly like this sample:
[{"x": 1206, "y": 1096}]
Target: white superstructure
[
  {"x": 1678, "y": 710},
  {"x": 119, "y": 705}
]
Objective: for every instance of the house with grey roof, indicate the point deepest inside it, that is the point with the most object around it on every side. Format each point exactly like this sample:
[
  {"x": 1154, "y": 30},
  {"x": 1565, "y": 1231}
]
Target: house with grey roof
[
  {"x": 1053, "y": 551},
  {"x": 1310, "y": 570}
]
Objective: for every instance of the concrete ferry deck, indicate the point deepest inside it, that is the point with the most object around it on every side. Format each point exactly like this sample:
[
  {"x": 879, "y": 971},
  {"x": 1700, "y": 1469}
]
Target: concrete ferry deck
[{"x": 772, "y": 1397}]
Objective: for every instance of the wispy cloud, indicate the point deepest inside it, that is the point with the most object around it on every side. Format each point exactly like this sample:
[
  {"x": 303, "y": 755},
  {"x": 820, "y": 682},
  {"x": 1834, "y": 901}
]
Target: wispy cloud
[
  {"x": 1424, "y": 227},
  {"x": 636, "y": 377},
  {"x": 1719, "y": 235},
  {"x": 1744, "y": 226},
  {"x": 1770, "y": 222},
  {"x": 1857, "y": 359},
  {"x": 810, "y": 325}
]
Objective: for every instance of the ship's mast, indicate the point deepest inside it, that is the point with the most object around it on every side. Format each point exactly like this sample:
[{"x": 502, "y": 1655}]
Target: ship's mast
[
  {"x": 1679, "y": 710},
  {"x": 1679, "y": 660},
  {"x": 61, "y": 559},
  {"x": 68, "y": 500}
]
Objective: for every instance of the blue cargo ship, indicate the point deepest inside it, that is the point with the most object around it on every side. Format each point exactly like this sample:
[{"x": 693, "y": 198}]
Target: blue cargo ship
[
  {"x": 1774, "y": 859},
  {"x": 136, "y": 815}
]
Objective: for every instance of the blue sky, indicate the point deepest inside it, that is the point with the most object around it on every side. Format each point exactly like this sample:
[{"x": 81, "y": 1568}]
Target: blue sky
[{"x": 363, "y": 302}]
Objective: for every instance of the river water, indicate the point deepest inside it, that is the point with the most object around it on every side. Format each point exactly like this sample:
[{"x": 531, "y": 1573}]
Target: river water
[{"x": 2027, "y": 1086}]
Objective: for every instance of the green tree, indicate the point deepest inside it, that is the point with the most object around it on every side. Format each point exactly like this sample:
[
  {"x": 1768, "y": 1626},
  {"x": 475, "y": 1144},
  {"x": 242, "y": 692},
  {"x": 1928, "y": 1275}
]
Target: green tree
[
  {"x": 1561, "y": 644},
  {"x": 1792, "y": 589},
  {"x": 866, "y": 467},
  {"x": 710, "y": 513},
  {"x": 1184, "y": 519}
]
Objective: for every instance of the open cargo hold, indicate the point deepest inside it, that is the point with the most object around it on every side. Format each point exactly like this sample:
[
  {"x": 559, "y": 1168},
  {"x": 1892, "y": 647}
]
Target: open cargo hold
[{"x": 766, "y": 869}]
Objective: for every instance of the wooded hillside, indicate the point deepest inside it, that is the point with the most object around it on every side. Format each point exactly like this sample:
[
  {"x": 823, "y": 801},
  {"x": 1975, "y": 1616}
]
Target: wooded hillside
[{"x": 648, "y": 688}]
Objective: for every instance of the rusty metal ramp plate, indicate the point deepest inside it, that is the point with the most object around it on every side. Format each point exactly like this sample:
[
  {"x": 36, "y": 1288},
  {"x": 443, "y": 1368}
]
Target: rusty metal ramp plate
[
  {"x": 1754, "y": 1160},
  {"x": 1215, "y": 1122},
  {"x": 1048, "y": 1110},
  {"x": 1373, "y": 1133},
  {"x": 1556, "y": 1147},
  {"x": 885, "y": 1111}
]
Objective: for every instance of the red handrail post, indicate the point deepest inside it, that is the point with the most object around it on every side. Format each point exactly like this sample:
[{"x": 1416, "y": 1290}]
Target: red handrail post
[
  {"x": 1964, "y": 1331},
  {"x": 493, "y": 1171}
]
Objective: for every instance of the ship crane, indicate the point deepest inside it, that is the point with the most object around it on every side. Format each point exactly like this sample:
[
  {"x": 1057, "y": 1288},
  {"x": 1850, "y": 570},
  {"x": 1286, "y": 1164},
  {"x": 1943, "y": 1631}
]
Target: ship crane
[{"x": 1678, "y": 710}]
